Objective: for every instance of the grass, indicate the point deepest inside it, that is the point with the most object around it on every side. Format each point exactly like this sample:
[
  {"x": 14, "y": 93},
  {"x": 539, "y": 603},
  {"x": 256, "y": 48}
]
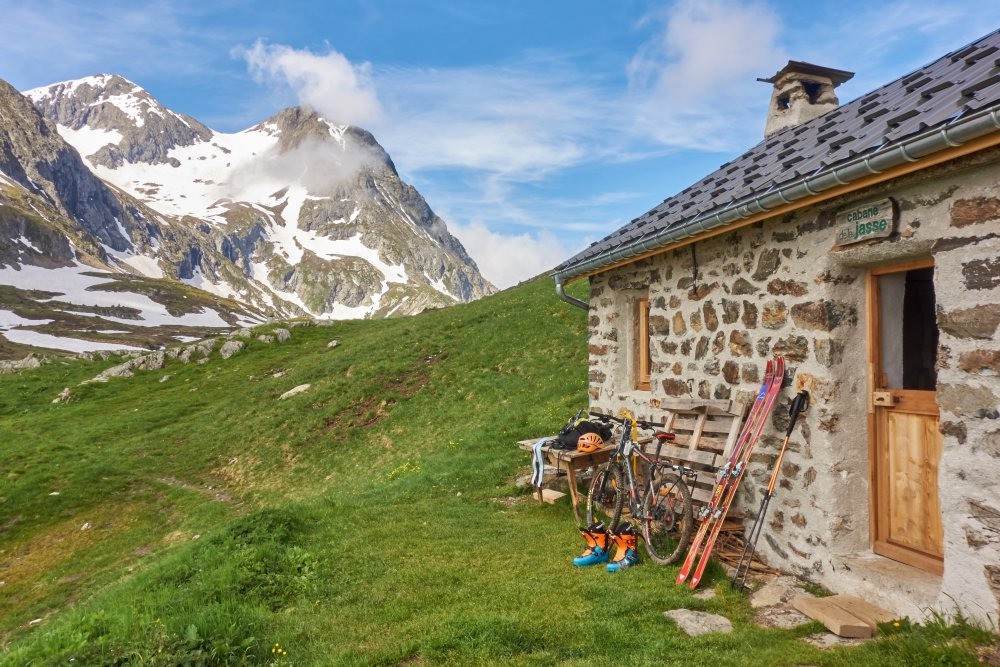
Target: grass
[{"x": 370, "y": 520}]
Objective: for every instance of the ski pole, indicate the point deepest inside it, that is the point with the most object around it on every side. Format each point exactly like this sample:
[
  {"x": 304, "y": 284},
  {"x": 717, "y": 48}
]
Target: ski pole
[{"x": 799, "y": 404}]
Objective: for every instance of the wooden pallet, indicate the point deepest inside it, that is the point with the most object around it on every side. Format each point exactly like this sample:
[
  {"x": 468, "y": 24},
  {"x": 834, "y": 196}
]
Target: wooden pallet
[{"x": 706, "y": 434}]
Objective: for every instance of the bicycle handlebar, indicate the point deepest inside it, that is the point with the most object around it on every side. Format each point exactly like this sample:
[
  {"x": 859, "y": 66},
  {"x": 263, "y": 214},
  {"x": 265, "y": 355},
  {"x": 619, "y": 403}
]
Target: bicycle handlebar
[{"x": 649, "y": 426}]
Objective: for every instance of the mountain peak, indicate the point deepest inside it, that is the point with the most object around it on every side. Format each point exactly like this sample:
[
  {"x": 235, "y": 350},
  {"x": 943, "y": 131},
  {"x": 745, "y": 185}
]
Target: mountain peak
[
  {"x": 115, "y": 84},
  {"x": 299, "y": 125},
  {"x": 120, "y": 121}
]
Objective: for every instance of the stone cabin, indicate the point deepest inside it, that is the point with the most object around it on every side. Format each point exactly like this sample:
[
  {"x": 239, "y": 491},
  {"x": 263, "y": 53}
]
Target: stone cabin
[{"x": 862, "y": 243}]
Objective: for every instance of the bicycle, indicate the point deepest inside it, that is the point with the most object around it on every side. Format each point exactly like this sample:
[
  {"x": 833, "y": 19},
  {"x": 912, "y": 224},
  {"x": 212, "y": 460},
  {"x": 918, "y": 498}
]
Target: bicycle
[{"x": 664, "y": 511}]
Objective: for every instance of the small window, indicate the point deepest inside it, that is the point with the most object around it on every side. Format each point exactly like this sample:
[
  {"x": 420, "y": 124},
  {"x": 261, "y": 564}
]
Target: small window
[{"x": 642, "y": 345}]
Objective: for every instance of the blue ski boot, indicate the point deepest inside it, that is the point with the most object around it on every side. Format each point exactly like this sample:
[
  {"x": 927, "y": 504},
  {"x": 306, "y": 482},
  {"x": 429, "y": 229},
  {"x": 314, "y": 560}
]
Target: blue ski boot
[
  {"x": 627, "y": 555},
  {"x": 597, "y": 545}
]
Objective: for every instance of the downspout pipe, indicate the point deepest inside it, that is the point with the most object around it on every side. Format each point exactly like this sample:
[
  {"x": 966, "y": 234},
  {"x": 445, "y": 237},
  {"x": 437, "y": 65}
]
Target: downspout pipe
[
  {"x": 922, "y": 145},
  {"x": 571, "y": 300}
]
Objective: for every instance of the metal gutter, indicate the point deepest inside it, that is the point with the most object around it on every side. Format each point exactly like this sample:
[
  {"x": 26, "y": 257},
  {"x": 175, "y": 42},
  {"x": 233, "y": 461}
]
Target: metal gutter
[
  {"x": 955, "y": 134},
  {"x": 571, "y": 300}
]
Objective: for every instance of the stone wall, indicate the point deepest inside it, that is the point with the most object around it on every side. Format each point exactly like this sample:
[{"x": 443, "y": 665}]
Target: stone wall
[{"x": 721, "y": 307}]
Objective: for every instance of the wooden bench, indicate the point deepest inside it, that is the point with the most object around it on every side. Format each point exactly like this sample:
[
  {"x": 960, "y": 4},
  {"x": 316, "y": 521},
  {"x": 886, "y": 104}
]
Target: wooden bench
[{"x": 706, "y": 432}]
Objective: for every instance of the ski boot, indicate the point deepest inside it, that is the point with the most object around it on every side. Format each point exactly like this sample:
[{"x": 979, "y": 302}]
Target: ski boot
[
  {"x": 596, "y": 552},
  {"x": 627, "y": 555}
]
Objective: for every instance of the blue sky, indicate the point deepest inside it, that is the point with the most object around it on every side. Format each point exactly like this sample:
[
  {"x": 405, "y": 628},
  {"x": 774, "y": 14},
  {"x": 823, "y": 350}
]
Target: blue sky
[{"x": 532, "y": 128}]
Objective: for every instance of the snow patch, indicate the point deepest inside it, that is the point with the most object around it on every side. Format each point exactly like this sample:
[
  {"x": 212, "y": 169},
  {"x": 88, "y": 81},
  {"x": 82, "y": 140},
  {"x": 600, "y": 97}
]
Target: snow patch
[
  {"x": 74, "y": 287},
  {"x": 24, "y": 241},
  {"x": 200, "y": 281},
  {"x": 440, "y": 287},
  {"x": 147, "y": 266},
  {"x": 337, "y": 132},
  {"x": 398, "y": 306},
  {"x": 123, "y": 231},
  {"x": 87, "y": 140},
  {"x": 4, "y": 178},
  {"x": 9, "y": 321},
  {"x": 27, "y": 337}
]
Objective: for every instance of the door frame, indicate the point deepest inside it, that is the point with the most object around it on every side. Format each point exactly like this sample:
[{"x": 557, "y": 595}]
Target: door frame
[{"x": 924, "y": 562}]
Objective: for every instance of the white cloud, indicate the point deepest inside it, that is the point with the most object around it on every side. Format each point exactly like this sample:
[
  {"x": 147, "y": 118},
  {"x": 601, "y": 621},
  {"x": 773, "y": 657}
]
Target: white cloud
[
  {"x": 705, "y": 47},
  {"x": 330, "y": 83},
  {"x": 506, "y": 260},
  {"x": 694, "y": 82},
  {"x": 311, "y": 163},
  {"x": 522, "y": 120}
]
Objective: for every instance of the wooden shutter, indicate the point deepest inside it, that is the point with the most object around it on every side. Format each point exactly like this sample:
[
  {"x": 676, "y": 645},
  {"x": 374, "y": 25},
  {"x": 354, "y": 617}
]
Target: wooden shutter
[{"x": 642, "y": 346}]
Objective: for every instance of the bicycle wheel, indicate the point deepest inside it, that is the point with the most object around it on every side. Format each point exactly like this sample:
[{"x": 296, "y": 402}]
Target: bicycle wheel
[
  {"x": 667, "y": 518},
  {"x": 606, "y": 496}
]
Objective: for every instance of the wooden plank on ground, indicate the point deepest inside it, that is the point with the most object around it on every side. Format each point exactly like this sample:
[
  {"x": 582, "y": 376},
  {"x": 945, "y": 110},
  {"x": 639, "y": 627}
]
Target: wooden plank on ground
[
  {"x": 836, "y": 620},
  {"x": 867, "y": 612},
  {"x": 550, "y": 496}
]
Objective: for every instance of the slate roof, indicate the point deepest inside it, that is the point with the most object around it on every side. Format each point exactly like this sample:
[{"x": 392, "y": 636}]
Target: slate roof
[{"x": 947, "y": 89}]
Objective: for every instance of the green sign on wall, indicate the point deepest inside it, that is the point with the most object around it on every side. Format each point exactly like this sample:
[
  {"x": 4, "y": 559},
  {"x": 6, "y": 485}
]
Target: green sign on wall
[{"x": 872, "y": 220}]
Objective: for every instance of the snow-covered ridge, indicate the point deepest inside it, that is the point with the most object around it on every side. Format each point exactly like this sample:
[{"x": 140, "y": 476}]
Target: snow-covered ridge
[
  {"x": 226, "y": 168},
  {"x": 135, "y": 102},
  {"x": 68, "y": 87}
]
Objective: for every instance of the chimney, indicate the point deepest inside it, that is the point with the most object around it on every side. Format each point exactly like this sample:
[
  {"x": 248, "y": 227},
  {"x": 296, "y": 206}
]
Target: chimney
[{"x": 802, "y": 91}]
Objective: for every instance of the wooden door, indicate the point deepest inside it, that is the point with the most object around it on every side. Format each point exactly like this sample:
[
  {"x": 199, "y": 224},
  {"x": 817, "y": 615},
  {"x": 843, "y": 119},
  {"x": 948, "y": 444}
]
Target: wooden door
[{"x": 905, "y": 447}]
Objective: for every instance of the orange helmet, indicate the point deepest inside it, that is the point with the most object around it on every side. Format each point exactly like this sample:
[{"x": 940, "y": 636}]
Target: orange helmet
[{"x": 589, "y": 442}]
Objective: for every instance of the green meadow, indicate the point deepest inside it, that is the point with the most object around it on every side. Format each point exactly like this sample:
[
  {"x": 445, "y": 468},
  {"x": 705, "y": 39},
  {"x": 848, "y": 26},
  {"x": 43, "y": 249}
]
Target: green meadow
[{"x": 188, "y": 516}]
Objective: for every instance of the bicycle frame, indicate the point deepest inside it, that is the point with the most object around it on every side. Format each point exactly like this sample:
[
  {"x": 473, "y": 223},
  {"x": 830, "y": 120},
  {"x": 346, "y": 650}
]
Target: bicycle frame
[{"x": 626, "y": 455}]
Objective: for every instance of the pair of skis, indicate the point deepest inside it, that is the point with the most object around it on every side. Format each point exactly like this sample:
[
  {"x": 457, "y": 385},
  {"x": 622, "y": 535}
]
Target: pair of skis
[{"x": 713, "y": 516}]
